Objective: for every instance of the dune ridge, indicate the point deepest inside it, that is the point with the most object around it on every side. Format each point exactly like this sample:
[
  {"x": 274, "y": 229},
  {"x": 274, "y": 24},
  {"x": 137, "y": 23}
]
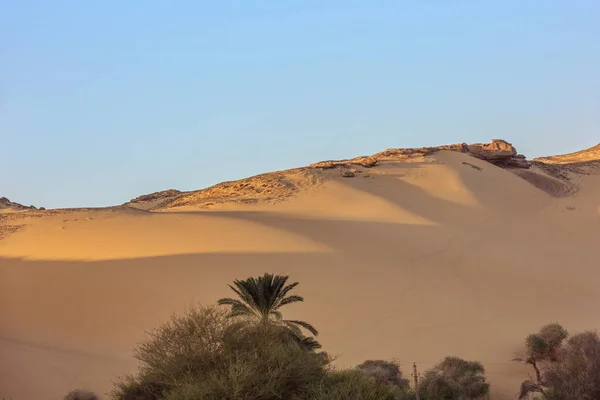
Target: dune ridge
[
  {"x": 274, "y": 187},
  {"x": 552, "y": 177},
  {"x": 419, "y": 255}
]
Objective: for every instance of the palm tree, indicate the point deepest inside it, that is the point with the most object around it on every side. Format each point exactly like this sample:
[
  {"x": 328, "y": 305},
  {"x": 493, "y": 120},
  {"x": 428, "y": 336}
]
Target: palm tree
[{"x": 260, "y": 300}]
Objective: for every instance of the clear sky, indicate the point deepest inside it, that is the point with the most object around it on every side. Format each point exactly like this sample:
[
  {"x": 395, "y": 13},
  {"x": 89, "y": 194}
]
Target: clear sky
[{"x": 101, "y": 101}]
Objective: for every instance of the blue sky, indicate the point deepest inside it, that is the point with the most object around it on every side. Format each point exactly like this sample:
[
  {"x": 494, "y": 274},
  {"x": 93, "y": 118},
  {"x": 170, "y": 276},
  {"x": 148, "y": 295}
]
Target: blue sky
[{"x": 106, "y": 100}]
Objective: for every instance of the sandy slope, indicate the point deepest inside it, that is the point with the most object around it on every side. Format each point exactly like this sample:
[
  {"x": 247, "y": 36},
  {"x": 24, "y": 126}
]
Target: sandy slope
[{"x": 423, "y": 258}]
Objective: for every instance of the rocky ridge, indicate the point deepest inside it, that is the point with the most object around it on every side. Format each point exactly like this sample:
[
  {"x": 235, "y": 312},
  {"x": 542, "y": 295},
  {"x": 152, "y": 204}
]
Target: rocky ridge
[
  {"x": 6, "y": 204},
  {"x": 498, "y": 152},
  {"x": 277, "y": 186},
  {"x": 588, "y": 155}
]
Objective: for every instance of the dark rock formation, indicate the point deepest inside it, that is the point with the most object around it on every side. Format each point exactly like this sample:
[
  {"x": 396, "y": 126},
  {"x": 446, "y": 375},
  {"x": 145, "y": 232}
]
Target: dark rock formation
[
  {"x": 500, "y": 153},
  {"x": 6, "y": 203}
]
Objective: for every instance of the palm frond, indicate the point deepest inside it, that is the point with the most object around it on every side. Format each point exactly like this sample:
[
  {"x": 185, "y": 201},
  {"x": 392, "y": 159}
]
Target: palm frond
[
  {"x": 242, "y": 311},
  {"x": 289, "y": 300},
  {"x": 305, "y": 325},
  {"x": 238, "y": 308},
  {"x": 244, "y": 290},
  {"x": 289, "y": 287},
  {"x": 309, "y": 343},
  {"x": 277, "y": 314},
  {"x": 228, "y": 301},
  {"x": 272, "y": 290}
]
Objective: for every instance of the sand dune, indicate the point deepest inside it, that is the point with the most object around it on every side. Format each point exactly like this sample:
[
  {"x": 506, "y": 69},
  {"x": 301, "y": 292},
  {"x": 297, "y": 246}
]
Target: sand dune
[{"x": 418, "y": 258}]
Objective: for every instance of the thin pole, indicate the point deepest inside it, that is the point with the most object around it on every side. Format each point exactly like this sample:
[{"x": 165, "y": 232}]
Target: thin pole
[{"x": 416, "y": 376}]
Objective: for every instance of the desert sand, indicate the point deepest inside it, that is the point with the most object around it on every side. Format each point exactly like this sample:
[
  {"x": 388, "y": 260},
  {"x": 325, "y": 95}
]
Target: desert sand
[{"x": 414, "y": 259}]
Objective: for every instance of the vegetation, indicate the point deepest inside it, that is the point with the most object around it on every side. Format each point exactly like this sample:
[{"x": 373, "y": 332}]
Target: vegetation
[
  {"x": 385, "y": 372},
  {"x": 564, "y": 368},
  {"x": 198, "y": 356},
  {"x": 349, "y": 385},
  {"x": 81, "y": 394},
  {"x": 455, "y": 379},
  {"x": 260, "y": 302},
  {"x": 251, "y": 352}
]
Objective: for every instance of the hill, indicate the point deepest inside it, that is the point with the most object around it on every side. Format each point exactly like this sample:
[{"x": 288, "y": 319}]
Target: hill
[
  {"x": 587, "y": 155},
  {"x": 412, "y": 254},
  {"x": 7, "y": 205}
]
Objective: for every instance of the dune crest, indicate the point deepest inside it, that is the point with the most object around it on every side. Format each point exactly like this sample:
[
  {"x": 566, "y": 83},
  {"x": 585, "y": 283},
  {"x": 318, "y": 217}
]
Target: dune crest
[{"x": 275, "y": 187}]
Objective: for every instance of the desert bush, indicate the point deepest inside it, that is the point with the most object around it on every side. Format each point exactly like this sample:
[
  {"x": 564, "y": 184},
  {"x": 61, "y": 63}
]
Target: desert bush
[
  {"x": 564, "y": 370},
  {"x": 455, "y": 378},
  {"x": 335, "y": 385},
  {"x": 576, "y": 374},
  {"x": 541, "y": 348},
  {"x": 81, "y": 394},
  {"x": 348, "y": 385},
  {"x": 384, "y": 371},
  {"x": 573, "y": 373},
  {"x": 203, "y": 355}
]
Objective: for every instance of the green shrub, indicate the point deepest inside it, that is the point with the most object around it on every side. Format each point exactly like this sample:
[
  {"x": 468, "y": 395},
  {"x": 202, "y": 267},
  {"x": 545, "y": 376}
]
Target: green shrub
[
  {"x": 564, "y": 368},
  {"x": 81, "y": 394},
  {"x": 384, "y": 371},
  {"x": 455, "y": 379},
  {"x": 575, "y": 371},
  {"x": 576, "y": 374},
  {"x": 204, "y": 356},
  {"x": 349, "y": 385}
]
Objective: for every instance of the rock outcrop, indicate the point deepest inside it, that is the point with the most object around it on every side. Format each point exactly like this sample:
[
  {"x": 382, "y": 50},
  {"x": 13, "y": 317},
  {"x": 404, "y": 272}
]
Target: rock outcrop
[
  {"x": 7, "y": 204},
  {"x": 153, "y": 200},
  {"x": 498, "y": 152},
  {"x": 588, "y": 155}
]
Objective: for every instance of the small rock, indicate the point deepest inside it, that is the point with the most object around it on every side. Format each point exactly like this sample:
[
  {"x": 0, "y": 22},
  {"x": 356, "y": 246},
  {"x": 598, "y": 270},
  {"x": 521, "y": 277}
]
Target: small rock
[
  {"x": 519, "y": 162},
  {"x": 366, "y": 162},
  {"x": 323, "y": 165},
  {"x": 348, "y": 174},
  {"x": 473, "y": 166}
]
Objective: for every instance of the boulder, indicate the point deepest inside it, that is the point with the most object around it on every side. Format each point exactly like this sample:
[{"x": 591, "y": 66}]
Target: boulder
[
  {"x": 497, "y": 150},
  {"x": 519, "y": 161}
]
